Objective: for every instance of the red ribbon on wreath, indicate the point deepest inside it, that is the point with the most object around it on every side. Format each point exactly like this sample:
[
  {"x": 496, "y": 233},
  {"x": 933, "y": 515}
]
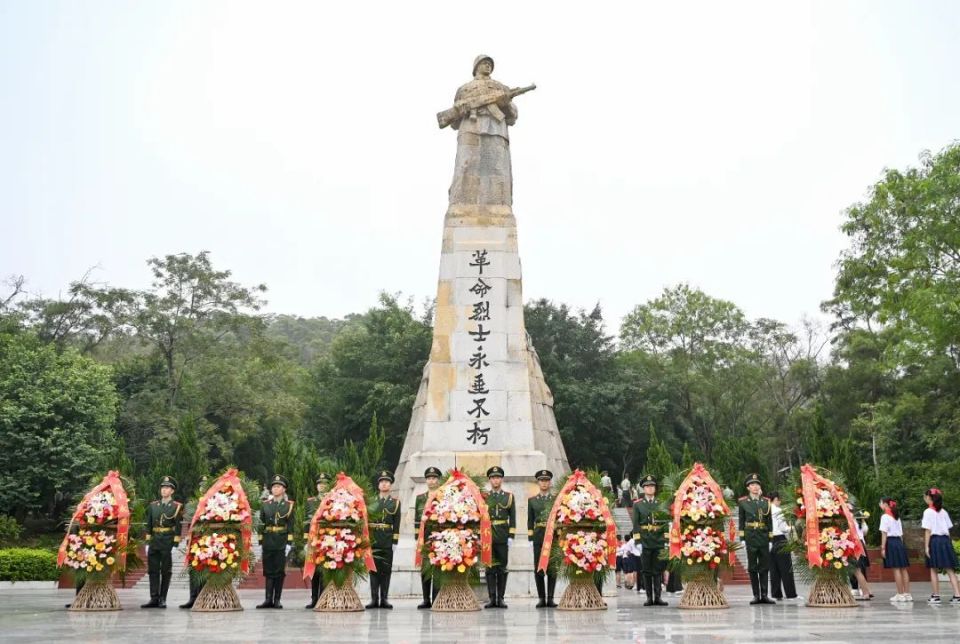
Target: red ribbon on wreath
[
  {"x": 486, "y": 532},
  {"x": 231, "y": 478},
  {"x": 809, "y": 478},
  {"x": 112, "y": 483},
  {"x": 698, "y": 470},
  {"x": 579, "y": 478},
  {"x": 344, "y": 482}
]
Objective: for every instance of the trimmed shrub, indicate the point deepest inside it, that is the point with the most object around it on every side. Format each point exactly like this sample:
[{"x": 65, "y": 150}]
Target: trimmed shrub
[{"x": 28, "y": 564}]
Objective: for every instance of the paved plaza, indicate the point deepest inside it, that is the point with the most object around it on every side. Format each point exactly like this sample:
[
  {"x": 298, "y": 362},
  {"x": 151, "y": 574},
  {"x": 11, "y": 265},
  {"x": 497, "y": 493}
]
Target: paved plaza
[{"x": 39, "y": 616}]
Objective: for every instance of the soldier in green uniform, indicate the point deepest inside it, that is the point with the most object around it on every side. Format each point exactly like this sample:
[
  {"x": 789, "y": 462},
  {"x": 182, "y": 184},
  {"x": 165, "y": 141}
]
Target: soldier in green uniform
[
  {"x": 537, "y": 509},
  {"x": 191, "y": 508},
  {"x": 276, "y": 539},
  {"x": 756, "y": 530},
  {"x": 383, "y": 516},
  {"x": 649, "y": 533},
  {"x": 164, "y": 519},
  {"x": 313, "y": 502},
  {"x": 503, "y": 522},
  {"x": 432, "y": 476}
]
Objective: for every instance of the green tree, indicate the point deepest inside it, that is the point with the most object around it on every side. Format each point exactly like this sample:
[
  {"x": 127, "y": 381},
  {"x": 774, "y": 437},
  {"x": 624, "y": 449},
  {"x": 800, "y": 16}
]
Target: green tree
[
  {"x": 56, "y": 422},
  {"x": 659, "y": 462}
]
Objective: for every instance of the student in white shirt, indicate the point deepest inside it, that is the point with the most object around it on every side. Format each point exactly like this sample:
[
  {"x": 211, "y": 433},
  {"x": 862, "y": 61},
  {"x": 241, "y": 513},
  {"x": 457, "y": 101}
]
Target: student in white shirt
[
  {"x": 858, "y": 580},
  {"x": 939, "y": 549},
  {"x": 781, "y": 564},
  {"x": 893, "y": 551}
]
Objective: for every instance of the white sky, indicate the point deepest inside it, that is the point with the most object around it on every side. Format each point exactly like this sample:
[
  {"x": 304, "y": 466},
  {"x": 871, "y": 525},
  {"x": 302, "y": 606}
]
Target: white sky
[{"x": 714, "y": 143}]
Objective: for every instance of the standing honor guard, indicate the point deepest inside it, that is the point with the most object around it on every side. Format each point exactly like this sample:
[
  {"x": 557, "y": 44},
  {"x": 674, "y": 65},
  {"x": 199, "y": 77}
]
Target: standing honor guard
[
  {"x": 538, "y": 507},
  {"x": 503, "y": 520},
  {"x": 313, "y": 502},
  {"x": 432, "y": 476},
  {"x": 195, "y": 584},
  {"x": 650, "y": 535},
  {"x": 276, "y": 539},
  {"x": 383, "y": 517},
  {"x": 756, "y": 530},
  {"x": 163, "y": 533}
]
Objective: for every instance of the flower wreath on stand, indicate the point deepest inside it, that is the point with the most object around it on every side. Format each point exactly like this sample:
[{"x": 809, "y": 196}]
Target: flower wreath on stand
[
  {"x": 339, "y": 544},
  {"x": 97, "y": 544},
  {"x": 827, "y": 531},
  {"x": 455, "y": 535},
  {"x": 580, "y": 542},
  {"x": 699, "y": 549},
  {"x": 219, "y": 547}
]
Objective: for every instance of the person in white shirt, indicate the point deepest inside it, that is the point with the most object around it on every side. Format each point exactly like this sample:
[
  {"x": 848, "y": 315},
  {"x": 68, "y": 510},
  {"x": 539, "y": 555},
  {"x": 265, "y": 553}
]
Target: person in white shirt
[
  {"x": 937, "y": 545},
  {"x": 858, "y": 580},
  {"x": 781, "y": 563},
  {"x": 893, "y": 551}
]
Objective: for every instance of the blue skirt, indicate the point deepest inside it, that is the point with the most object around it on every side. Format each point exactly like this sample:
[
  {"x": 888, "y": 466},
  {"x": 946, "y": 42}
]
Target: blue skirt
[
  {"x": 896, "y": 554},
  {"x": 941, "y": 553}
]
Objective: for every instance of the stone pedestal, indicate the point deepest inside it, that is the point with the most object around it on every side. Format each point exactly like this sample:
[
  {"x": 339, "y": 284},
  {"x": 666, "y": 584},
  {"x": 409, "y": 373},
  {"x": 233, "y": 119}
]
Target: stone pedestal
[{"x": 482, "y": 400}]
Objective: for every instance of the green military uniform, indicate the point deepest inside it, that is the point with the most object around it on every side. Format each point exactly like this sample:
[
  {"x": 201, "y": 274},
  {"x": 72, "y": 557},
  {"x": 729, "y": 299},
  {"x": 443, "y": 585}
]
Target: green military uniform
[
  {"x": 650, "y": 535},
  {"x": 316, "y": 582},
  {"x": 503, "y": 523},
  {"x": 383, "y": 516},
  {"x": 276, "y": 533},
  {"x": 756, "y": 530},
  {"x": 196, "y": 585},
  {"x": 429, "y": 589},
  {"x": 538, "y": 507},
  {"x": 164, "y": 519}
]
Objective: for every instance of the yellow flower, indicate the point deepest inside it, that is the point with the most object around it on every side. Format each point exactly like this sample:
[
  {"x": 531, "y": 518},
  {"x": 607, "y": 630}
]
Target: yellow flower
[
  {"x": 223, "y": 564},
  {"x": 689, "y": 562},
  {"x": 837, "y": 565},
  {"x": 110, "y": 561},
  {"x": 99, "y": 567},
  {"x": 829, "y": 556},
  {"x": 716, "y": 559},
  {"x": 89, "y": 569},
  {"x": 461, "y": 568}
]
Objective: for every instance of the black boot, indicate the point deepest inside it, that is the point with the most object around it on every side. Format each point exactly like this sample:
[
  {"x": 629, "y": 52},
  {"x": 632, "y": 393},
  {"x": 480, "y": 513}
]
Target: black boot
[
  {"x": 277, "y": 591},
  {"x": 764, "y": 584},
  {"x": 755, "y": 585},
  {"x": 268, "y": 592},
  {"x": 551, "y": 586},
  {"x": 154, "y": 591},
  {"x": 425, "y": 589},
  {"x": 374, "y": 591},
  {"x": 648, "y": 588},
  {"x": 314, "y": 589},
  {"x": 194, "y": 592},
  {"x": 501, "y": 588},
  {"x": 656, "y": 593},
  {"x": 164, "y": 587},
  {"x": 385, "y": 591},
  {"x": 541, "y": 590},
  {"x": 491, "y": 576}
]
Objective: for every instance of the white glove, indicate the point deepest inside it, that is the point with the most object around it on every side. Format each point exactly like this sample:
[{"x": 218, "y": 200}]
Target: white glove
[
  {"x": 510, "y": 542},
  {"x": 393, "y": 548},
  {"x": 287, "y": 550},
  {"x": 146, "y": 550}
]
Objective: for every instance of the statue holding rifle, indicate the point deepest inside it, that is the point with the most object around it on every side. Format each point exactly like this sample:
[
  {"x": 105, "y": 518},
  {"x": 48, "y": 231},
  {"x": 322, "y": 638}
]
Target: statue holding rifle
[{"x": 482, "y": 112}]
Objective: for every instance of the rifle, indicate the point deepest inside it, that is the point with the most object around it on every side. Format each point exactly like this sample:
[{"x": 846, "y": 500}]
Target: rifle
[{"x": 461, "y": 108}]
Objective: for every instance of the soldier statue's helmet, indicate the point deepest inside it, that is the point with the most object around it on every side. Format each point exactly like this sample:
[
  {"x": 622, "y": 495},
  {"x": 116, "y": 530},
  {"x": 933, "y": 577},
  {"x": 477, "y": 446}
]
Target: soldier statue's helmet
[
  {"x": 496, "y": 470},
  {"x": 168, "y": 481},
  {"x": 385, "y": 475},
  {"x": 649, "y": 479},
  {"x": 432, "y": 471},
  {"x": 279, "y": 479},
  {"x": 479, "y": 59},
  {"x": 753, "y": 478},
  {"x": 323, "y": 478},
  {"x": 544, "y": 475}
]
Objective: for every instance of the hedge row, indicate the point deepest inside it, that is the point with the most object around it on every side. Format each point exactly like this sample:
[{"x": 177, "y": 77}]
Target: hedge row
[{"x": 28, "y": 564}]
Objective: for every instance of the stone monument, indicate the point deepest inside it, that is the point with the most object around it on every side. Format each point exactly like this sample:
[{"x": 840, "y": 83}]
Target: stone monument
[{"x": 482, "y": 400}]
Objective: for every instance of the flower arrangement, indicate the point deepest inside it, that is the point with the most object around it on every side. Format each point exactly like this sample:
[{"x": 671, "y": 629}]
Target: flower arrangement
[
  {"x": 578, "y": 506},
  {"x": 101, "y": 508},
  {"x": 453, "y": 503},
  {"x": 828, "y": 505},
  {"x": 334, "y": 548},
  {"x": 91, "y": 550},
  {"x": 343, "y": 506},
  {"x": 453, "y": 549},
  {"x": 703, "y": 546},
  {"x": 225, "y": 505},
  {"x": 585, "y": 551},
  {"x": 215, "y": 553},
  {"x": 700, "y": 501},
  {"x": 837, "y": 549}
]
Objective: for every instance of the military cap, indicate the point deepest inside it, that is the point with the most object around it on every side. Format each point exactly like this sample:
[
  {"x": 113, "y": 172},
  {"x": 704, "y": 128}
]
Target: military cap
[
  {"x": 753, "y": 478},
  {"x": 432, "y": 471},
  {"x": 281, "y": 479},
  {"x": 385, "y": 475},
  {"x": 168, "y": 481},
  {"x": 322, "y": 477},
  {"x": 649, "y": 479},
  {"x": 479, "y": 59},
  {"x": 544, "y": 475},
  {"x": 496, "y": 470}
]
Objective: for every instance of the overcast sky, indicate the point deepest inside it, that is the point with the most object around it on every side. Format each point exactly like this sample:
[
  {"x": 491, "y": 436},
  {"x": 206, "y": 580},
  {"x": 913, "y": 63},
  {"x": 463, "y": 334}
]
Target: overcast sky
[{"x": 715, "y": 143}]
